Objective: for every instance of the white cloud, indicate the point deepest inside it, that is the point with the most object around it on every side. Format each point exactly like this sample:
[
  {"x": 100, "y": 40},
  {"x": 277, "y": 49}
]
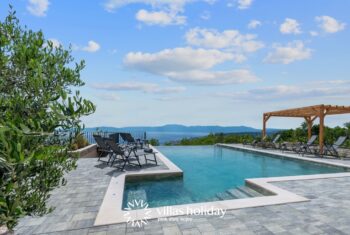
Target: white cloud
[
  {"x": 182, "y": 58},
  {"x": 55, "y": 43},
  {"x": 290, "y": 53},
  {"x": 290, "y": 26},
  {"x": 205, "y": 77},
  {"x": 188, "y": 65},
  {"x": 228, "y": 39},
  {"x": 211, "y": 2},
  {"x": 244, "y": 4},
  {"x": 329, "y": 24},
  {"x": 91, "y": 47},
  {"x": 173, "y": 5},
  {"x": 206, "y": 15},
  {"x": 230, "y": 4},
  {"x": 331, "y": 82},
  {"x": 164, "y": 12},
  {"x": 160, "y": 18},
  {"x": 38, "y": 7},
  {"x": 254, "y": 24},
  {"x": 313, "y": 33},
  {"x": 108, "y": 96},
  {"x": 138, "y": 86},
  {"x": 289, "y": 92}
]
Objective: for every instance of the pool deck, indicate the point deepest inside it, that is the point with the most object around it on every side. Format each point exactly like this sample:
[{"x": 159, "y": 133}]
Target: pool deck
[{"x": 77, "y": 205}]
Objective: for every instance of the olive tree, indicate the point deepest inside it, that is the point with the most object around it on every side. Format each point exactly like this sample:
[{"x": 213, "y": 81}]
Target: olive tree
[{"x": 38, "y": 99}]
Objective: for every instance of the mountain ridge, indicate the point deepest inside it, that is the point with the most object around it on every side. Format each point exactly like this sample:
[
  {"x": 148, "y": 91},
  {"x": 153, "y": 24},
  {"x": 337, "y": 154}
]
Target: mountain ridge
[{"x": 182, "y": 128}]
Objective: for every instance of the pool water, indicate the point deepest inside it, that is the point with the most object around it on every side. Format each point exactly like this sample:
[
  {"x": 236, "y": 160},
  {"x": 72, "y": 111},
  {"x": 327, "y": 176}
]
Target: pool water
[{"x": 209, "y": 170}]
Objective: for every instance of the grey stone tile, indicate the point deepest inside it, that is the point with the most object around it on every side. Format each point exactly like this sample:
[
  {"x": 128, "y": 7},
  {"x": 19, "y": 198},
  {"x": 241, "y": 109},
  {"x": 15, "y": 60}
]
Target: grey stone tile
[
  {"x": 172, "y": 230},
  {"x": 78, "y": 202}
]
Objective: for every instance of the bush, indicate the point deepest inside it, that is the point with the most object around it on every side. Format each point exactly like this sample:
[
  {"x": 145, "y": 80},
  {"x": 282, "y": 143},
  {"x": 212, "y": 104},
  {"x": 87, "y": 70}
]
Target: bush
[
  {"x": 153, "y": 142},
  {"x": 79, "y": 142}
]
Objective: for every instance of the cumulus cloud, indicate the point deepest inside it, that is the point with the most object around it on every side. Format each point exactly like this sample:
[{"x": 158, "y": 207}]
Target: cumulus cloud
[
  {"x": 205, "y": 77},
  {"x": 244, "y": 4},
  {"x": 182, "y": 58},
  {"x": 232, "y": 40},
  {"x": 254, "y": 24},
  {"x": 176, "y": 5},
  {"x": 188, "y": 65},
  {"x": 329, "y": 24},
  {"x": 164, "y": 12},
  {"x": 206, "y": 15},
  {"x": 91, "y": 47},
  {"x": 290, "y": 26},
  {"x": 108, "y": 96},
  {"x": 55, "y": 43},
  {"x": 159, "y": 18},
  {"x": 286, "y": 92},
  {"x": 290, "y": 53},
  {"x": 38, "y": 7},
  {"x": 138, "y": 86},
  {"x": 313, "y": 33}
]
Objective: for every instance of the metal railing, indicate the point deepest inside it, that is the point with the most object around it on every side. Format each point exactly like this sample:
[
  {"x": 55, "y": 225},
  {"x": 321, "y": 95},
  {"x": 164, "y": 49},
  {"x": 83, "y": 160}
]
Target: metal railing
[{"x": 107, "y": 134}]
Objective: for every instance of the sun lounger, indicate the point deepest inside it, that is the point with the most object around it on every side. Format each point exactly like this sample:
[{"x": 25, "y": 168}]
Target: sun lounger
[
  {"x": 103, "y": 149},
  {"x": 333, "y": 148},
  {"x": 303, "y": 148},
  {"x": 272, "y": 144},
  {"x": 122, "y": 155},
  {"x": 129, "y": 155},
  {"x": 129, "y": 140}
]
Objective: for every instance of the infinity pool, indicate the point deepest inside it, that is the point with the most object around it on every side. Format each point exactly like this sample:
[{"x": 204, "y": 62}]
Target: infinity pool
[{"x": 209, "y": 171}]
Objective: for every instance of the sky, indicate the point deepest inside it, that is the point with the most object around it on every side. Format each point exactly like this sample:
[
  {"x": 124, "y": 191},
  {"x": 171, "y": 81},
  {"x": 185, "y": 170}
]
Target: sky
[{"x": 200, "y": 62}]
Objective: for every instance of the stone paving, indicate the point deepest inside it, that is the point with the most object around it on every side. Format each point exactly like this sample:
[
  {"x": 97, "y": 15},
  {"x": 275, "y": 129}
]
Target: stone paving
[{"x": 78, "y": 202}]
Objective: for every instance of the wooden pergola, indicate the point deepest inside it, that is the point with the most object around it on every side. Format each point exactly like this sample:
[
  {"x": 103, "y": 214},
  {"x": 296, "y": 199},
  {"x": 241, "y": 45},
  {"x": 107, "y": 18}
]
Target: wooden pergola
[{"x": 309, "y": 113}]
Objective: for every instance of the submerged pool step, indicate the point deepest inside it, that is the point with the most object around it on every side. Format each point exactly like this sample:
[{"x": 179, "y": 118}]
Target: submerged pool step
[
  {"x": 249, "y": 191},
  {"x": 137, "y": 196},
  {"x": 237, "y": 193},
  {"x": 224, "y": 196}
]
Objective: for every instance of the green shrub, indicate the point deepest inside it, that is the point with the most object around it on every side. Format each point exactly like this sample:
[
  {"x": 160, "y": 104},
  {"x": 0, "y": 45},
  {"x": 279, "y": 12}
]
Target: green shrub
[
  {"x": 79, "y": 142},
  {"x": 153, "y": 142}
]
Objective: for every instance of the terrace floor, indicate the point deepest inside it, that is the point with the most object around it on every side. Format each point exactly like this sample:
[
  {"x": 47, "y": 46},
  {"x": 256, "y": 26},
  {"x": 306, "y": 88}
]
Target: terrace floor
[{"x": 78, "y": 202}]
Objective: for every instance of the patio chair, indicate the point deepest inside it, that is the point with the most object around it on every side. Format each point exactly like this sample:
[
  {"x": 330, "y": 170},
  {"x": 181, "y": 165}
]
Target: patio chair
[
  {"x": 272, "y": 144},
  {"x": 103, "y": 149},
  {"x": 333, "y": 148},
  {"x": 254, "y": 142},
  {"x": 122, "y": 155},
  {"x": 130, "y": 154},
  {"x": 303, "y": 148},
  {"x": 129, "y": 139}
]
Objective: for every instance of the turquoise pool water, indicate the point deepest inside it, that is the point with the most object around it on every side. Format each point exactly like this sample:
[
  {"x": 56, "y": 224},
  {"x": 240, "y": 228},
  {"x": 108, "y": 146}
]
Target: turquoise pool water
[{"x": 209, "y": 170}]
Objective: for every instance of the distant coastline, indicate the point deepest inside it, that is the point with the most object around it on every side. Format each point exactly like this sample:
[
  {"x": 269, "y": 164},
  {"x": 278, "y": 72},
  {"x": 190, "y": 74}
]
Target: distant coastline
[{"x": 175, "y": 132}]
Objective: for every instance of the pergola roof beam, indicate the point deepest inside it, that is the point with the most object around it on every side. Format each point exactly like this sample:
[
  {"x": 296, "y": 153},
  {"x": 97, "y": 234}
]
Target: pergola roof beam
[{"x": 309, "y": 113}]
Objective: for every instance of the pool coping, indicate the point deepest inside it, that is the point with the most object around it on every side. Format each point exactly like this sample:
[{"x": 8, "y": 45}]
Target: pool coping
[{"x": 111, "y": 208}]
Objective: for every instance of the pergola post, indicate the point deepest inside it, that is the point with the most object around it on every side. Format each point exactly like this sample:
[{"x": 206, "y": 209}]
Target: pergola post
[
  {"x": 309, "y": 126},
  {"x": 265, "y": 119},
  {"x": 321, "y": 131}
]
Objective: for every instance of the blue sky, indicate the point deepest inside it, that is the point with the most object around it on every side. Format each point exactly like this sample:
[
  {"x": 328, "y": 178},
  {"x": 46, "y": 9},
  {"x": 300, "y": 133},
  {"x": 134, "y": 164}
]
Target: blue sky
[{"x": 190, "y": 62}]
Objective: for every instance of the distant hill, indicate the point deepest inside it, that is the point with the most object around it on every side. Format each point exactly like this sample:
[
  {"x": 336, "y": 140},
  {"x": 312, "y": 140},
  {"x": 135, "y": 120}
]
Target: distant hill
[{"x": 181, "y": 128}]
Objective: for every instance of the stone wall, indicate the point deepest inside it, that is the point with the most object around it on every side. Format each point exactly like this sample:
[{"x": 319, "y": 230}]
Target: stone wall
[{"x": 87, "y": 152}]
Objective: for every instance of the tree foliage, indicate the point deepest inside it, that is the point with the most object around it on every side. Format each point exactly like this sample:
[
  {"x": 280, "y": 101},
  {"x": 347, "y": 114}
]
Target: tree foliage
[
  {"x": 38, "y": 97},
  {"x": 291, "y": 135}
]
